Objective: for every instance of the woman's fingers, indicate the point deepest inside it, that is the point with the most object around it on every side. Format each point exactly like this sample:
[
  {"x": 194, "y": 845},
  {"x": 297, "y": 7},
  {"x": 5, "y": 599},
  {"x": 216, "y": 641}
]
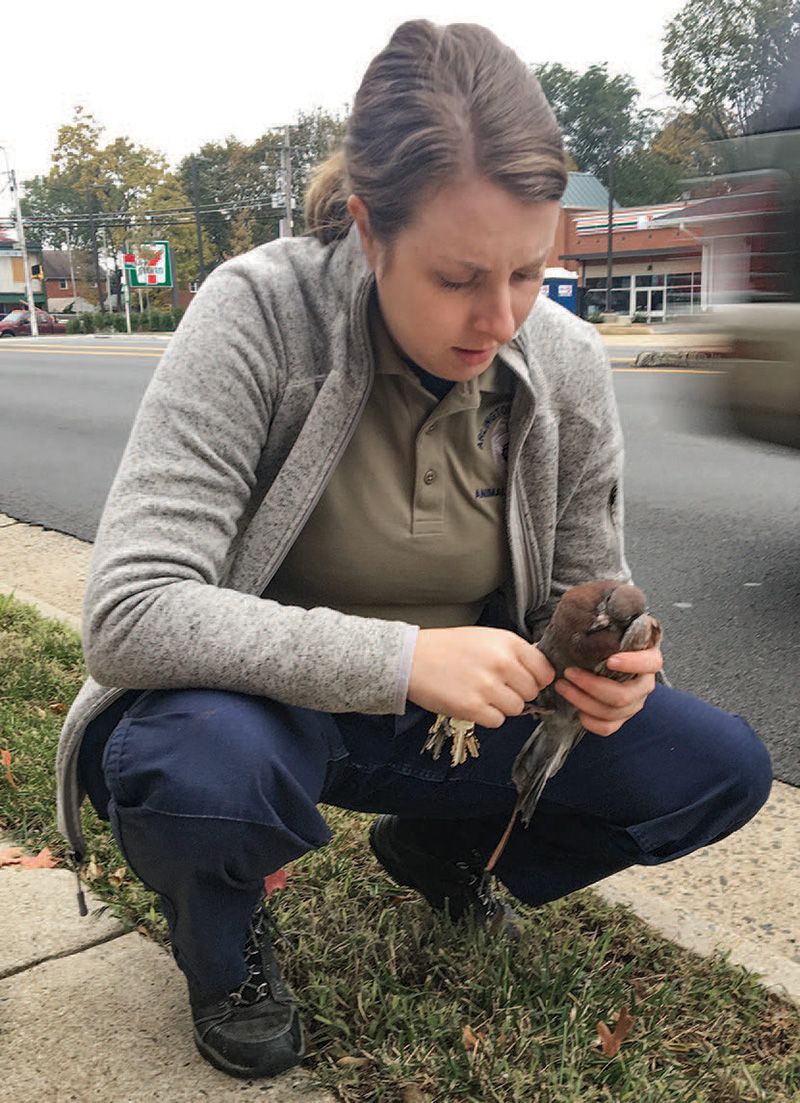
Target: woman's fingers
[
  {"x": 648, "y": 661},
  {"x": 606, "y": 691},
  {"x": 602, "y": 703}
]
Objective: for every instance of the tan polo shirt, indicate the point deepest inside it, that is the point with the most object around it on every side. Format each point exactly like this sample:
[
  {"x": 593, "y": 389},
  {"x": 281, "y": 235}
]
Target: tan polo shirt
[{"x": 411, "y": 524}]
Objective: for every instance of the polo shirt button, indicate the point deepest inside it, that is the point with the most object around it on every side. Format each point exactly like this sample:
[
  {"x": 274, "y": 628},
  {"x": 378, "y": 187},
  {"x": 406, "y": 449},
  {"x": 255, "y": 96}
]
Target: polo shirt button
[{"x": 429, "y": 476}]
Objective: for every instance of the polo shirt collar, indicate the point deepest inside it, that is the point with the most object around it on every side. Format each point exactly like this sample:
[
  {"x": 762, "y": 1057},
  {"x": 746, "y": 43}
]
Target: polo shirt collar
[{"x": 496, "y": 379}]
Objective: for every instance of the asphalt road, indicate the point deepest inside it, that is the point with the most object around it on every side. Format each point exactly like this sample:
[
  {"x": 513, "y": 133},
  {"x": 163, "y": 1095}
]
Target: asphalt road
[{"x": 712, "y": 520}]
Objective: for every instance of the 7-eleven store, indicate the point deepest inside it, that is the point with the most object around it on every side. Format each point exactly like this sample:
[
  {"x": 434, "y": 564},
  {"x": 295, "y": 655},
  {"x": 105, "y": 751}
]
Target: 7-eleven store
[{"x": 656, "y": 270}]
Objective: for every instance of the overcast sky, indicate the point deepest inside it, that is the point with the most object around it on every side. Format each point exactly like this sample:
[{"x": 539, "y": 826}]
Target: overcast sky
[{"x": 172, "y": 75}]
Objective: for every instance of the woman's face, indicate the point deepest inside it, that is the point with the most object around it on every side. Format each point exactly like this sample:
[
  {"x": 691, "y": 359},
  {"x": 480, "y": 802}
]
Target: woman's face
[{"x": 463, "y": 277}]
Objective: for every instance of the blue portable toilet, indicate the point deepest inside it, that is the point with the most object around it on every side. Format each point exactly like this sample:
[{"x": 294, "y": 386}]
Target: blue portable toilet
[{"x": 561, "y": 286}]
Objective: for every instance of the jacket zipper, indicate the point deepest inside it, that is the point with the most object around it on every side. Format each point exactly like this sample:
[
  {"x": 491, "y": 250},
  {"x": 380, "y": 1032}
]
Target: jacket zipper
[{"x": 525, "y": 560}]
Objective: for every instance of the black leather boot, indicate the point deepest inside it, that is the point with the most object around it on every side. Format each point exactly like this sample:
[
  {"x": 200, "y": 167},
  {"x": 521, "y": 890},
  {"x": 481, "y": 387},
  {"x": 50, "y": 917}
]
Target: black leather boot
[
  {"x": 255, "y": 1029},
  {"x": 452, "y": 882}
]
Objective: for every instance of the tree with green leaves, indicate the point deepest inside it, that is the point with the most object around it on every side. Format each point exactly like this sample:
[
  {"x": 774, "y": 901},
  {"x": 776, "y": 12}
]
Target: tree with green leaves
[
  {"x": 241, "y": 180},
  {"x": 595, "y": 111},
  {"x": 599, "y": 115},
  {"x": 722, "y": 58},
  {"x": 90, "y": 178}
]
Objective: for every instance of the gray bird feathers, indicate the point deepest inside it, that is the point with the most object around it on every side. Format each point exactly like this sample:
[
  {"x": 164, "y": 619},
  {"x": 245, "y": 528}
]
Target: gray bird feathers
[{"x": 591, "y": 622}]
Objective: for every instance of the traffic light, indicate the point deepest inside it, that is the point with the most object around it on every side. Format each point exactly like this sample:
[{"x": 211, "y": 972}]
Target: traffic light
[
  {"x": 116, "y": 281},
  {"x": 37, "y": 271}
]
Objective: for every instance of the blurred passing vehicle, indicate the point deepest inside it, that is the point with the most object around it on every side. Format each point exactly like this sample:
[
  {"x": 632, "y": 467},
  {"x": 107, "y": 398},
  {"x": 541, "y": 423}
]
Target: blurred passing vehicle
[
  {"x": 747, "y": 216},
  {"x": 18, "y": 324}
]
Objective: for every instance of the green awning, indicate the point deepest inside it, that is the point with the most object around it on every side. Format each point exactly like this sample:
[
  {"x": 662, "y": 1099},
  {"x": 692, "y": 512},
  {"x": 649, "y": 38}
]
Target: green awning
[{"x": 11, "y": 297}]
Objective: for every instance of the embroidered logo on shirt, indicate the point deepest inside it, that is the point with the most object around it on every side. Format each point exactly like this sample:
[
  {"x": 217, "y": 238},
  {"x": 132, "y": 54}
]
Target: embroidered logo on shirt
[{"x": 495, "y": 430}]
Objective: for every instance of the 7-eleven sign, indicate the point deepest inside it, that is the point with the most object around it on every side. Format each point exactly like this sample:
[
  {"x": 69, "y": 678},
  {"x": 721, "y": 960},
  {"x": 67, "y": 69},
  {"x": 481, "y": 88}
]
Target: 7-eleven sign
[{"x": 151, "y": 266}]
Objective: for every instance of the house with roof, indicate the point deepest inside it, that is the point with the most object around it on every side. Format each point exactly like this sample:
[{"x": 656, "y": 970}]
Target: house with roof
[
  {"x": 13, "y": 291},
  {"x": 67, "y": 293}
]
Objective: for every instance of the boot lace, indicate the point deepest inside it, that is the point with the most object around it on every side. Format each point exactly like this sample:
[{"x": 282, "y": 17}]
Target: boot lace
[
  {"x": 255, "y": 986},
  {"x": 479, "y": 882}
]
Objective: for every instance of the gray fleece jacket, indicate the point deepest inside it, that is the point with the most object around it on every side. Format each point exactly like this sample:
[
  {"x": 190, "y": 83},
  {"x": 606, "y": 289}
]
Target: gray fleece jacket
[{"x": 247, "y": 413}]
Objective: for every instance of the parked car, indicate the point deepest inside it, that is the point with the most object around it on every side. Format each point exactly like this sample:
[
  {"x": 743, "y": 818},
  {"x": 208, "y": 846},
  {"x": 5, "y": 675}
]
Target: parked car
[{"x": 18, "y": 324}]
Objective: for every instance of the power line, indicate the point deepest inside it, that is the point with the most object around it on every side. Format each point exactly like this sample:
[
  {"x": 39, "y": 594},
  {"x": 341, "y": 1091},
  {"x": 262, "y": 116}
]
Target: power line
[{"x": 125, "y": 218}]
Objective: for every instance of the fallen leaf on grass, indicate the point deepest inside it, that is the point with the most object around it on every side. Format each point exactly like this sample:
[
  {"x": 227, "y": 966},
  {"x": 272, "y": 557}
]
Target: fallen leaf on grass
[
  {"x": 5, "y": 758},
  {"x": 353, "y": 1062},
  {"x": 92, "y": 870},
  {"x": 472, "y": 1041},
  {"x": 275, "y": 881},
  {"x": 57, "y": 707},
  {"x": 117, "y": 876},
  {"x": 43, "y": 860},
  {"x": 610, "y": 1043},
  {"x": 11, "y": 856}
]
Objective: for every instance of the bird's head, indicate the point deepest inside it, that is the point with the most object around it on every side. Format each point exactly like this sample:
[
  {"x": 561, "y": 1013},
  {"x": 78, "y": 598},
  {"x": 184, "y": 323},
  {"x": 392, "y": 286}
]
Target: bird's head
[{"x": 602, "y": 617}]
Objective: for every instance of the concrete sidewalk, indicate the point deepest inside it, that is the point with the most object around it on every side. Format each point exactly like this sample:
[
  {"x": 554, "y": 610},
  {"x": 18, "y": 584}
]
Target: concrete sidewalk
[
  {"x": 91, "y": 1013},
  {"x": 97, "y": 1014}
]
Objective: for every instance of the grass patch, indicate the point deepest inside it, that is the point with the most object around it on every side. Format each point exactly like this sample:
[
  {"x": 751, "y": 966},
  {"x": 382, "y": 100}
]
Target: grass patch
[{"x": 386, "y": 987}]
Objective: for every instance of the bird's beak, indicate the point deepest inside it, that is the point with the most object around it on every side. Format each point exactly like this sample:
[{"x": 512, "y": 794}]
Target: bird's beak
[{"x": 641, "y": 633}]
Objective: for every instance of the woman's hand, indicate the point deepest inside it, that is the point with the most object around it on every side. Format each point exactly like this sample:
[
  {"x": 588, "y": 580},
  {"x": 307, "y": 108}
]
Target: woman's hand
[
  {"x": 480, "y": 674},
  {"x": 604, "y": 705}
]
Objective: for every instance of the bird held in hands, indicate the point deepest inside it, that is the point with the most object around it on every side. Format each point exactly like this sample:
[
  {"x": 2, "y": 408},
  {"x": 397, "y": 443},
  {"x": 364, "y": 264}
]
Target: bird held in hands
[{"x": 591, "y": 622}]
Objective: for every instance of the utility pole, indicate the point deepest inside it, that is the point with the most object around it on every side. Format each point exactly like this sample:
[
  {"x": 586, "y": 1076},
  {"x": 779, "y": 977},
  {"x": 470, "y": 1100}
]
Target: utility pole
[
  {"x": 126, "y": 288},
  {"x": 201, "y": 268},
  {"x": 92, "y": 208},
  {"x": 174, "y": 277},
  {"x": 610, "y": 244},
  {"x": 72, "y": 272},
  {"x": 108, "y": 274},
  {"x": 286, "y": 169},
  {"x": 12, "y": 180}
]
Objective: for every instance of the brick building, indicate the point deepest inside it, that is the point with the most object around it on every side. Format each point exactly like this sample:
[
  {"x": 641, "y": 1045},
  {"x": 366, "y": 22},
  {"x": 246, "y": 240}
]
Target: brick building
[
  {"x": 66, "y": 291},
  {"x": 656, "y": 268}
]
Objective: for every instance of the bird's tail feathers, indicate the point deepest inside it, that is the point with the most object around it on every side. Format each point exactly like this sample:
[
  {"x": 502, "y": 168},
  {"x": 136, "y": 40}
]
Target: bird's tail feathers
[{"x": 541, "y": 757}]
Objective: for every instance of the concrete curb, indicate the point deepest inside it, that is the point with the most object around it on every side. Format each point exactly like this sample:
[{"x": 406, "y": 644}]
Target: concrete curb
[
  {"x": 773, "y": 969},
  {"x": 677, "y": 359},
  {"x": 42, "y": 606}
]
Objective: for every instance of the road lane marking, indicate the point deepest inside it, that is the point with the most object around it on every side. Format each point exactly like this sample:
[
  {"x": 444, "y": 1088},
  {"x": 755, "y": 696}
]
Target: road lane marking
[
  {"x": 87, "y": 352},
  {"x": 87, "y": 348}
]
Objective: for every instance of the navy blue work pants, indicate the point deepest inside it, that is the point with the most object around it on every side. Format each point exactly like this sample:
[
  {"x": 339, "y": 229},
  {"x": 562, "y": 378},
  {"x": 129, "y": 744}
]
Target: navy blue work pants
[{"x": 208, "y": 791}]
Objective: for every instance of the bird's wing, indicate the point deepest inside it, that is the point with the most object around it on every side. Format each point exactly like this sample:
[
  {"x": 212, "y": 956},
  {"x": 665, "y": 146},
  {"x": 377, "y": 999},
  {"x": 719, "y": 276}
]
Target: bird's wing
[{"x": 542, "y": 756}]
